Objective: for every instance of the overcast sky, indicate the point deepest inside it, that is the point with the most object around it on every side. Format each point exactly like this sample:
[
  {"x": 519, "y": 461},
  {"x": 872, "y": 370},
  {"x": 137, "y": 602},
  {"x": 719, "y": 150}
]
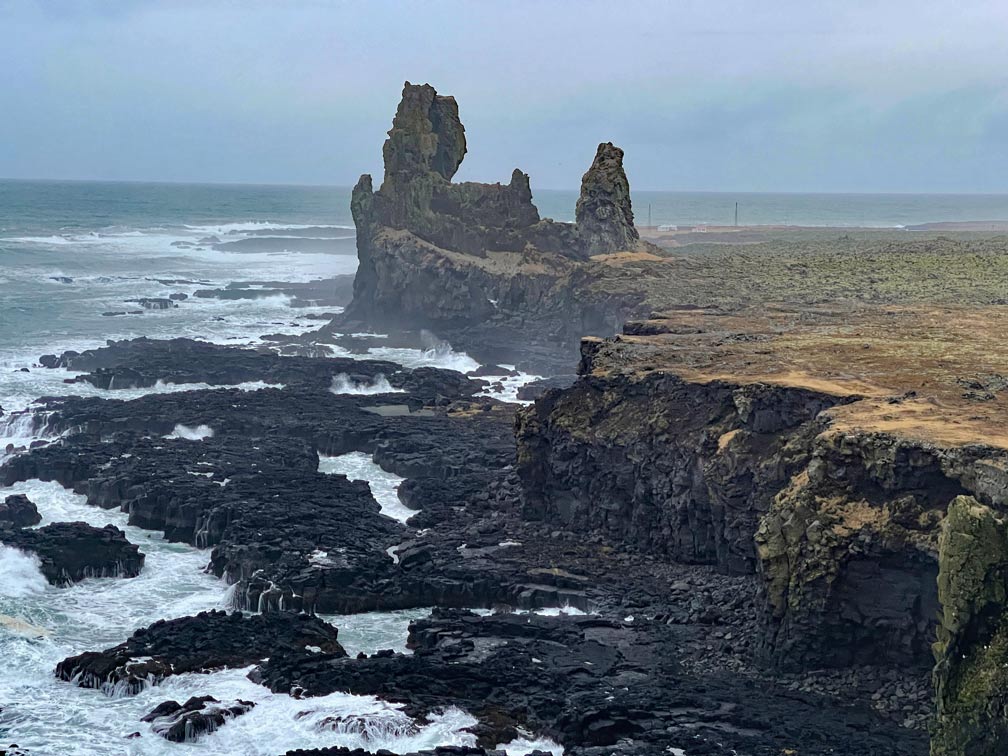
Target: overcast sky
[{"x": 774, "y": 95}]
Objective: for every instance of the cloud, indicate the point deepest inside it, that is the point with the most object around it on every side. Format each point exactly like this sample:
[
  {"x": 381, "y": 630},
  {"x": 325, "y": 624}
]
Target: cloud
[{"x": 730, "y": 95}]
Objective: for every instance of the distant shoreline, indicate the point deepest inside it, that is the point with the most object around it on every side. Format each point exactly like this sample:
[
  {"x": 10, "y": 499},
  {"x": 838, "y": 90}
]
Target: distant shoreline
[
  {"x": 692, "y": 228},
  {"x": 691, "y": 234}
]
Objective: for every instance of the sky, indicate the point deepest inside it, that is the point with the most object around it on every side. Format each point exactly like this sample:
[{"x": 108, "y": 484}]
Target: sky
[{"x": 713, "y": 95}]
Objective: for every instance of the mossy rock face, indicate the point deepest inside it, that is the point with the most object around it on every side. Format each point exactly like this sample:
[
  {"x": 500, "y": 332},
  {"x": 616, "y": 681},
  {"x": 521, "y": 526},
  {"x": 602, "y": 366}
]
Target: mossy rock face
[{"x": 971, "y": 671}]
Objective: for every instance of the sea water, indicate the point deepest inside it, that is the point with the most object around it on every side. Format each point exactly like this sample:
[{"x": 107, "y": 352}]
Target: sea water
[{"x": 68, "y": 253}]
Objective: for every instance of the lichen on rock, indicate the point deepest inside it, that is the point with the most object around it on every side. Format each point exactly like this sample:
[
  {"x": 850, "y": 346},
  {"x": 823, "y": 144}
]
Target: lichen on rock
[
  {"x": 971, "y": 653},
  {"x": 604, "y": 214}
]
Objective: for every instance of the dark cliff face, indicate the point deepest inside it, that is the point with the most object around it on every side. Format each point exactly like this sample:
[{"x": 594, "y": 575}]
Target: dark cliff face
[
  {"x": 474, "y": 262},
  {"x": 841, "y": 525},
  {"x": 971, "y": 653}
]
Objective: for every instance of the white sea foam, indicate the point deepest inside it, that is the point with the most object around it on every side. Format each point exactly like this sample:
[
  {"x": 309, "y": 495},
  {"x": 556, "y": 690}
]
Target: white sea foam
[
  {"x": 56, "y": 240},
  {"x": 555, "y": 611},
  {"x": 20, "y": 573},
  {"x": 440, "y": 356},
  {"x": 527, "y": 744},
  {"x": 227, "y": 228},
  {"x": 384, "y": 485},
  {"x": 199, "y": 433},
  {"x": 344, "y": 384},
  {"x": 509, "y": 387}
]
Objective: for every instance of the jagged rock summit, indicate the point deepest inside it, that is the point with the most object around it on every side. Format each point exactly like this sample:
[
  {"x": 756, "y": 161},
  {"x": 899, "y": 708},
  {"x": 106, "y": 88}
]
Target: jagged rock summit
[
  {"x": 475, "y": 262},
  {"x": 424, "y": 150},
  {"x": 604, "y": 215}
]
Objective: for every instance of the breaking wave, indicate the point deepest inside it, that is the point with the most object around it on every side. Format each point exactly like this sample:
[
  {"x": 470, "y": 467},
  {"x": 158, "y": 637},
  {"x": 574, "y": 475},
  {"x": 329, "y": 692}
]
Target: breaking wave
[
  {"x": 344, "y": 384},
  {"x": 199, "y": 433},
  {"x": 20, "y": 573}
]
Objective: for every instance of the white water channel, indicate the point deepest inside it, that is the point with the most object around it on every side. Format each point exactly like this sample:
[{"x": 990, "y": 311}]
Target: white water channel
[{"x": 42, "y": 624}]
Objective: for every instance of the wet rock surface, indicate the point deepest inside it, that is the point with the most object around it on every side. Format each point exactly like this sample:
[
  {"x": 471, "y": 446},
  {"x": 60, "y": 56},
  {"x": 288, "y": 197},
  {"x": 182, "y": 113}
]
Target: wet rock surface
[
  {"x": 200, "y": 715},
  {"x": 142, "y": 363},
  {"x": 206, "y": 642},
  {"x": 686, "y": 638},
  {"x": 19, "y": 511},
  {"x": 69, "y": 552},
  {"x": 596, "y": 685}
]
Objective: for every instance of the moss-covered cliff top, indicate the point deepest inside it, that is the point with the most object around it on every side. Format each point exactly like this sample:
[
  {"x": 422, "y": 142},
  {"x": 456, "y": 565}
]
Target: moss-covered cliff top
[{"x": 938, "y": 373}]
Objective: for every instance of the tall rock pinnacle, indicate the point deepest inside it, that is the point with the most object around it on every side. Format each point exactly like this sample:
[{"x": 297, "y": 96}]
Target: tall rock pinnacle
[
  {"x": 603, "y": 214},
  {"x": 426, "y": 135}
]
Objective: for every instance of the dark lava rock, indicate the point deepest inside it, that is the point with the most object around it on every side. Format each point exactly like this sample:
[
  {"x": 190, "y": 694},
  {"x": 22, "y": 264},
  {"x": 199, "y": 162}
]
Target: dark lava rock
[
  {"x": 439, "y": 751},
  {"x": 595, "y": 685},
  {"x": 420, "y": 239},
  {"x": 534, "y": 389},
  {"x": 494, "y": 370},
  {"x": 178, "y": 297},
  {"x": 142, "y": 362},
  {"x": 291, "y": 537},
  {"x": 72, "y": 551},
  {"x": 200, "y": 715},
  {"x": 19, "y": 511},
  {"x": 603, "y": 214},
  {"x": 155, "y": 303},
  {"x": 204, "y": 643},
  {"x": 61, "y": 279}
]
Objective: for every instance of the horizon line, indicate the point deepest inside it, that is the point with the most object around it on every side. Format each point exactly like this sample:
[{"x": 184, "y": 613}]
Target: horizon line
[{"x": 293, "y": 185}]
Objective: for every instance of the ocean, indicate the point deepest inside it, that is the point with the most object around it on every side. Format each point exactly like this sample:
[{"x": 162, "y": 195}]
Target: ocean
[{"x": 71, "y": 251}]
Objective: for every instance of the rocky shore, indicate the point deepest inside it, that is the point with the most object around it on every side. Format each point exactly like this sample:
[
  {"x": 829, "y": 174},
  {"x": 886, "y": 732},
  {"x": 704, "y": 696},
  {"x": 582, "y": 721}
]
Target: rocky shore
[
  {"x": 715, "y": 529},
  {"x": 667, "y": 657}
]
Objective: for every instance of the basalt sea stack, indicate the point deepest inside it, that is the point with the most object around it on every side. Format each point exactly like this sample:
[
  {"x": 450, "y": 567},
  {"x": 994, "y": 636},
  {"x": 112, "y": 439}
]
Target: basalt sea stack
[{"x": 475, "y": 263}]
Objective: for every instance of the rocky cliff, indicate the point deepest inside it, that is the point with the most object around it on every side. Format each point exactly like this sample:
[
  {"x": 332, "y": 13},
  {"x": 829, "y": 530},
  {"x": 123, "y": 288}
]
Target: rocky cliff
[
  {"x": 781, "y": 445},
  {"x": 474, "y": 262},
  {"x": 971, "y": 673}
]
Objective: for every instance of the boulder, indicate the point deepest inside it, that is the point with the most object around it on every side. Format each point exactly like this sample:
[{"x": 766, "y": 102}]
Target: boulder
[
  {"x": 19, "y": 511},
  {"x": 72, "y": 551},
  {"x": 155, "y": 303},
  {"x": 200, "y": 715}
]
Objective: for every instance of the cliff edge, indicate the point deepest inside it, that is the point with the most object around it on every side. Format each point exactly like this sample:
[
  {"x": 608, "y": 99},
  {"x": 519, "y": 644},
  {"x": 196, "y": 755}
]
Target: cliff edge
[{"x": 854, "y": 460}]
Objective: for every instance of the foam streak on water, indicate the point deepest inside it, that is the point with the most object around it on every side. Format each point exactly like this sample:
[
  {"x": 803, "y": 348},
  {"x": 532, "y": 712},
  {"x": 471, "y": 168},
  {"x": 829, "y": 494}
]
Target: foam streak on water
[
  {"x": 57, "y": 281},
  {"x": 384, "y": 485}
]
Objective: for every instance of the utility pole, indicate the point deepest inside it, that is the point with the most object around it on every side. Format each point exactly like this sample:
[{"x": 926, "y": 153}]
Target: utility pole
[
  {"x": 649, "y": 214},
  {"x": 736, "y": 213}
]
